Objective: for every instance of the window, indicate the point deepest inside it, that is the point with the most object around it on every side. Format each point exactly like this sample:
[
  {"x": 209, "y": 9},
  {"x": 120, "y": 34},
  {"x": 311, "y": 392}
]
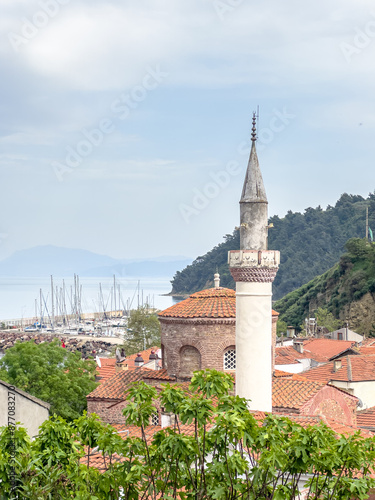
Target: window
[
  {"x": 155, "y": 419},
  {"x": 230, "y": 359}
]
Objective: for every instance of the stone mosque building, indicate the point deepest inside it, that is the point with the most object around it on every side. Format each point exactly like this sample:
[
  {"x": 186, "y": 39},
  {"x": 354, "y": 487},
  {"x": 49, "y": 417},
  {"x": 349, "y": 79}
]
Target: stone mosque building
[
  {"x": 200, "y": 332},
  {"x": 230, "y": 330}
]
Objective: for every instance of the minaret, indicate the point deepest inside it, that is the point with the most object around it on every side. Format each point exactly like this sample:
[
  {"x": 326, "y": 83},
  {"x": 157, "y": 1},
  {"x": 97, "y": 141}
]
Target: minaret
[{"x": 254, "y": 268}]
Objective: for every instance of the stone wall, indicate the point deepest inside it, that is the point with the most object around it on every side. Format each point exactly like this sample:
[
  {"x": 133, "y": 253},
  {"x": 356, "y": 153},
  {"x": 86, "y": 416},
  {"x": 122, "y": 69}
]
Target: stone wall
[
  {"x": 188, "y": 345},
  {"x": 192, "y": 344}
]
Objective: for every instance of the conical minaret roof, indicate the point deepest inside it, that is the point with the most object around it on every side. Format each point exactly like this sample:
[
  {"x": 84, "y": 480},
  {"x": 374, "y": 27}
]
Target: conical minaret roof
[
  {"x": 253, "y": 189},
  {"x": 253, "y": 204}
]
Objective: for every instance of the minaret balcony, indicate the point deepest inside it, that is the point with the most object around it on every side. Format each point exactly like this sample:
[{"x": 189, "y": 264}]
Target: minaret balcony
[{"x": 254, "y": 265}]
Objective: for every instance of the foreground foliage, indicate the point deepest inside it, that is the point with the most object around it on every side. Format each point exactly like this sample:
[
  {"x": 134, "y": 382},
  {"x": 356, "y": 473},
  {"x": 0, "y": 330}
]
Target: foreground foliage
[
  {"x": 224, "y": 453},
  {"x": 52, "y": 374}
]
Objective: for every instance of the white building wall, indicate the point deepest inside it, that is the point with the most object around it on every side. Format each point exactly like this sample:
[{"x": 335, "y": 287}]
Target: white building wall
[
  {"x": 365, "y": 391},
  {"x": 28, "y": 412},
  {"x": 292, "y": 368}
]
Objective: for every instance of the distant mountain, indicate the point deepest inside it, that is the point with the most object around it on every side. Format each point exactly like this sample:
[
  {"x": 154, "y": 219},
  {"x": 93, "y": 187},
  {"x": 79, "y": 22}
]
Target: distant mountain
[
  {"x": 310, "y": 243},
  {"x": 43, "y": 261}
]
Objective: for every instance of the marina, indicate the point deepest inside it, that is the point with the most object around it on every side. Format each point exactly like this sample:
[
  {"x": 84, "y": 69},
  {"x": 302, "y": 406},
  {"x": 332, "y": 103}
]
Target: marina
[{"x": 78, "y": 305}]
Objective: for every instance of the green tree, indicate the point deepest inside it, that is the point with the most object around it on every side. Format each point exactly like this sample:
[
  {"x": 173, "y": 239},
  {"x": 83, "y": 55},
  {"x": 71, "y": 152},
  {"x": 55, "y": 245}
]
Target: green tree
[
  {"x": 143, "y": 330},
  {"x": 281, "y": 327},
  {"x": 224, "y": 455},
  {"x": 51, "y": 373},
  {"x": 327, "y": 319}
]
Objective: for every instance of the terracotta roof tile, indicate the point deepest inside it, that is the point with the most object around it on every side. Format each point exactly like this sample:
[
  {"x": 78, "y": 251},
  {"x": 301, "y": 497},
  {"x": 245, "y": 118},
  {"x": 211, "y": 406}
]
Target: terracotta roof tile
[
  {"x": 287, "y": 355},
  {"x": 366, "y": 418},
  {"x": 108, "y": 369},
  {"x": 210, "y": 303},
  {"x": 325, "y": 349},
  {"x": 357, "y": 368},
  {"x": 367, "y": 350},
  {"x": 115, "y": 387},
  {"x": 291, "y": 393}
]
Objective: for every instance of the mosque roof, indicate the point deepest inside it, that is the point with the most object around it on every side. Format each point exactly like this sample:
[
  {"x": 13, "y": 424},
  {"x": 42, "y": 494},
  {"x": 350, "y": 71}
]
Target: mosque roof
[{"x": 210, "y": 303}]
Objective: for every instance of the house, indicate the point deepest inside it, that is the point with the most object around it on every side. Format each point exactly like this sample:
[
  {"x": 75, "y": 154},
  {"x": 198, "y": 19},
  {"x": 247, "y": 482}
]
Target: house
[
  {"x": 108, "y": 366},
  {"x": 345, "y": 334},
  {"x": 29, "y": 410},
  {"x": 307, "y": 353},
  {"x": 354, "y": 374},
  {"x": 299, "y": 396},
  {"x": 366, "y": 419},
  {"x": 108, "y": 399}
]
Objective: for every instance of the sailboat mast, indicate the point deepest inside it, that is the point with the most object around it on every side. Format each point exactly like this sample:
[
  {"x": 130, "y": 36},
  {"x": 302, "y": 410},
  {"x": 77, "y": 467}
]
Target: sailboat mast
[
  {"x": 114, "y": 291},
  {"x": 53, "y": 307}
]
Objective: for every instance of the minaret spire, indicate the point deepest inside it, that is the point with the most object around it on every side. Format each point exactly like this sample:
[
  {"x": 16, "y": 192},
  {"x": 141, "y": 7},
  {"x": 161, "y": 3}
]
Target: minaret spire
[
  {"x": 254, "y": 129},
  {"x": 253, "y": 203},
  {"x": 254, "y": 268}
]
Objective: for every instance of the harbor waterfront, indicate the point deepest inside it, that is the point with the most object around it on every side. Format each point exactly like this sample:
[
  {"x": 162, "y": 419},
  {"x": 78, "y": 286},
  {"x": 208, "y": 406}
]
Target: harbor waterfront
[{"x": 20, "y": 298}]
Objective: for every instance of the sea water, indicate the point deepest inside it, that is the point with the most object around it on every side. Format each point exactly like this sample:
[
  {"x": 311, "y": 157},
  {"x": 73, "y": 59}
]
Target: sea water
[{"x": 19, "y": 297}]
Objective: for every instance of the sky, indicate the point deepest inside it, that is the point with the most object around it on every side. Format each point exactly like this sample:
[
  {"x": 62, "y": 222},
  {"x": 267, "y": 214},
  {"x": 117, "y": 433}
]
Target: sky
[{"x": 125, "y": 125}]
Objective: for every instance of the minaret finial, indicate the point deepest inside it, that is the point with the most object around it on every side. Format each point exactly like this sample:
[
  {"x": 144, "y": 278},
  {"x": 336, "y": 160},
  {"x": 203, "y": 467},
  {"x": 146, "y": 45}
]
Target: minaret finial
[{"x": 254, "y": 129}]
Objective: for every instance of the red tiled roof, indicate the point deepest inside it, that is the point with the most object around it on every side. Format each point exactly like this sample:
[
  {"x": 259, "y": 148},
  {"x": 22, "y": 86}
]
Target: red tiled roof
[
  {"x": 115, "y": 387},
  {"x": 108, "y": 369},
  {"x": 210, "y": 303},
  {"x": 367, "y": 350},
  {"x": 287, "y": 355},
  {"x": 291, "y": 393},
  {"x": 366, "y": 418},
  {"x": 325, "y": 349},
  {"x": 357, "y": 368}
]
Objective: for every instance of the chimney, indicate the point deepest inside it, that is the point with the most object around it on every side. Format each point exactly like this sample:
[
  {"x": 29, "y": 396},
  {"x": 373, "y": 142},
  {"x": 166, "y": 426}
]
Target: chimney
[
  {"x": 119, "y": 367},
  {"x": 337, "y": 364},
  {"x": 217, "y": 280},
  {"x": 139, "y": 360},
  {"x": 298, "y": 346},
  {"x": 290, "y": 331},
  {"x": 153, "y": 355},
  {"x": 167, "y": 419}
]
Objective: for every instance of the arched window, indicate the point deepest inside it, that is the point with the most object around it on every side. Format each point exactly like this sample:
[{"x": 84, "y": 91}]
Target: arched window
[
  {"x": 190, "y": 361},
  {"x": 230, "y": 359}
]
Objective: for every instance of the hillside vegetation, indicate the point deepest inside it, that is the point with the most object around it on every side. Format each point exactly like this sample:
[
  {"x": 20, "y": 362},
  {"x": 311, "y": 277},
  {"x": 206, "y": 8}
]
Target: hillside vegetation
[
  {"x": 310, "y": 244},
  {"x": 346, "y": 288}
]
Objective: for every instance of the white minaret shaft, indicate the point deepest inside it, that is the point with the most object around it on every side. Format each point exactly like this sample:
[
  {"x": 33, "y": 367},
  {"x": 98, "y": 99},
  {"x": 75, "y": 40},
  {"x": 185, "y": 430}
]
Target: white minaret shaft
[{"x": 254, "y": 268}]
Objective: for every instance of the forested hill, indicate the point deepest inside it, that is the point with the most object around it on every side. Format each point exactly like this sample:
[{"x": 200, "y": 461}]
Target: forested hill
[
  {"x": 310, "y": 244},
  {"x": 347, "y": 290}
]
